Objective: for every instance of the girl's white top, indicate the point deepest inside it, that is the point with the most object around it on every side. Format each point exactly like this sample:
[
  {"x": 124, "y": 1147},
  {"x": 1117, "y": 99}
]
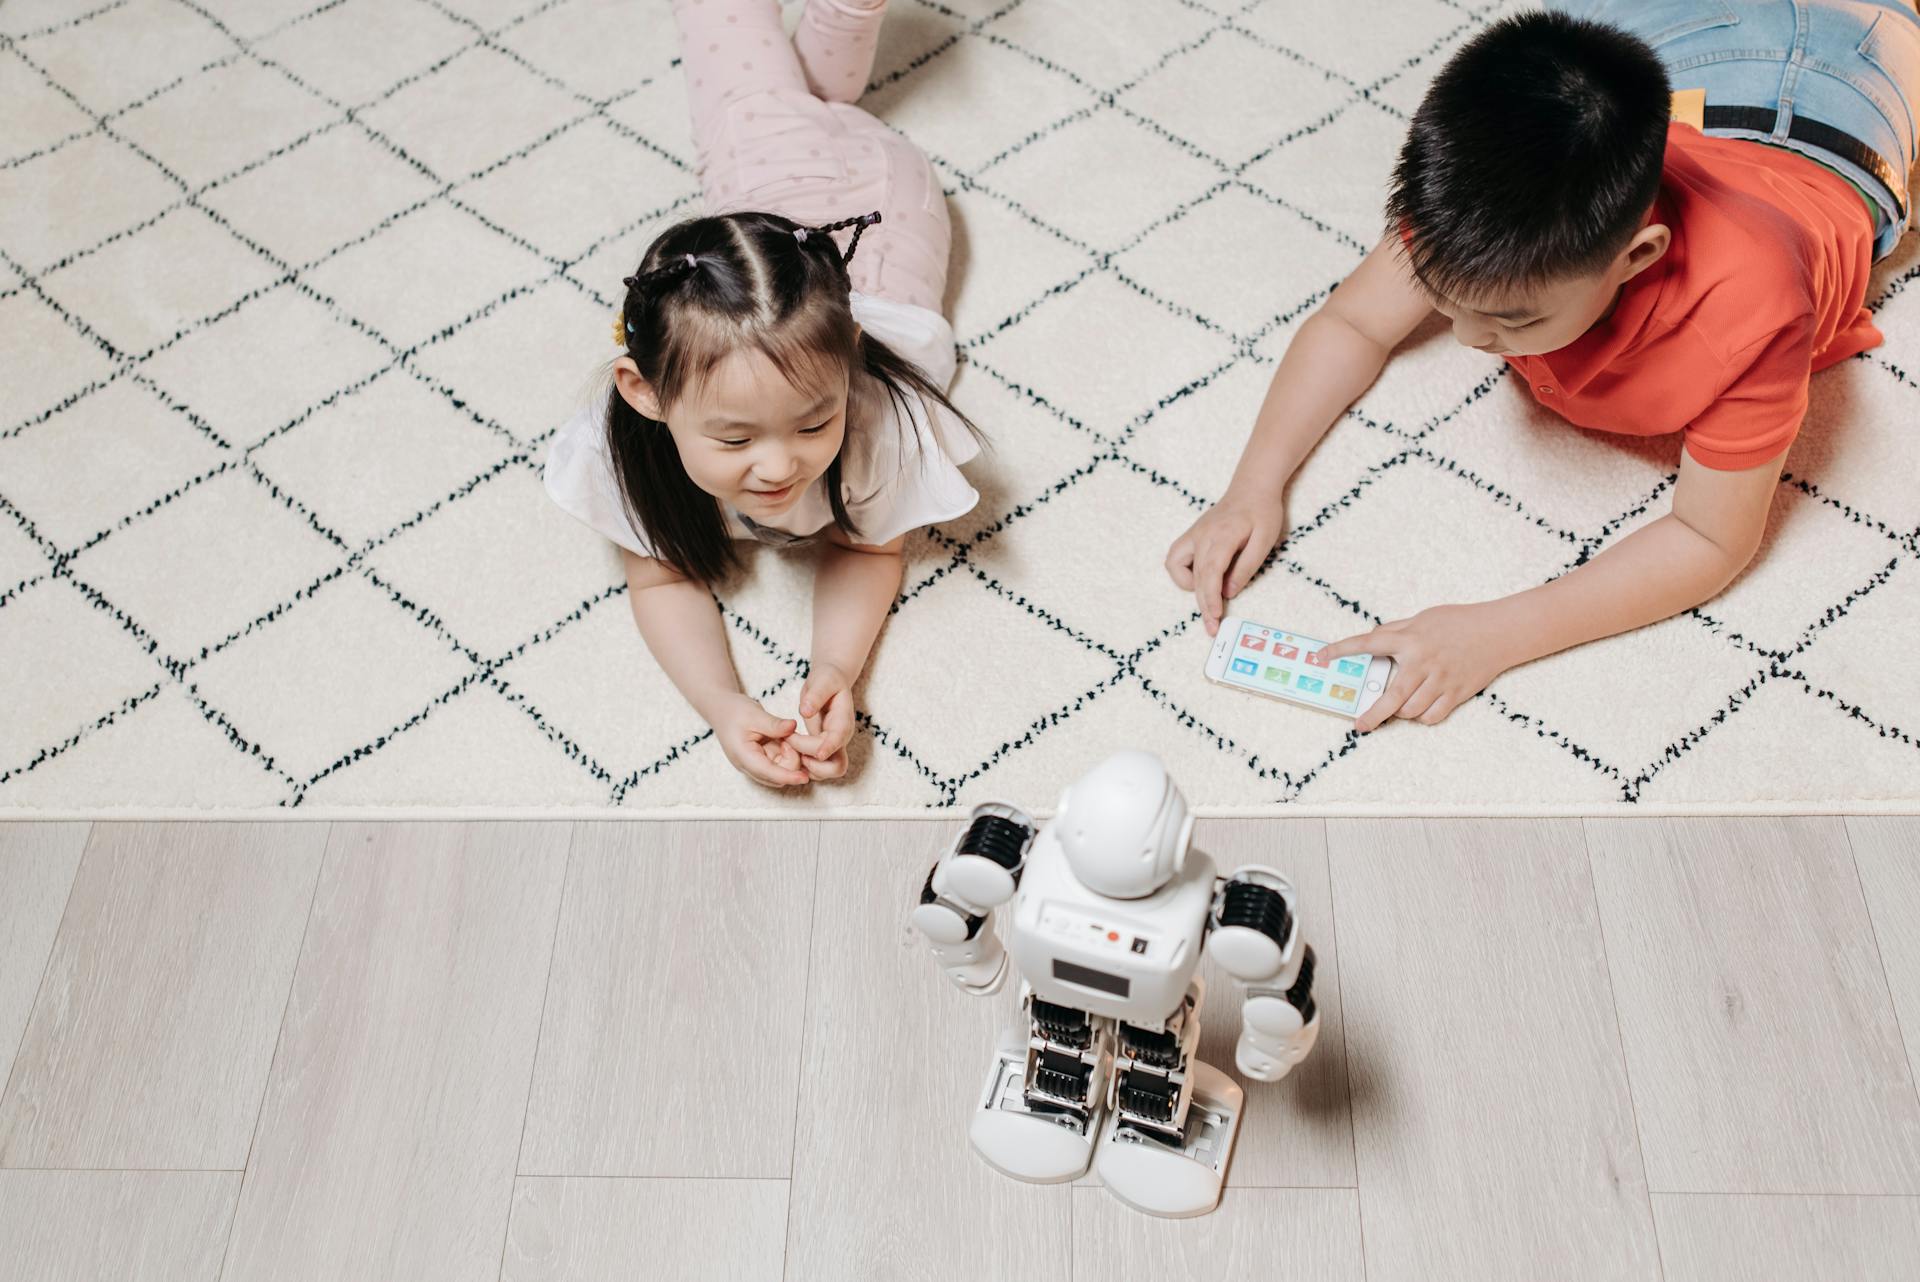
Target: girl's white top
[{"x": 895, "y": 476}]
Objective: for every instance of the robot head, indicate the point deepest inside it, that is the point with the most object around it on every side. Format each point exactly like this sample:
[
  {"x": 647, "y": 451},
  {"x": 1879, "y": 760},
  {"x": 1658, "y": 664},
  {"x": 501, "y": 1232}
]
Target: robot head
[{"x": 1124, "y": 827}]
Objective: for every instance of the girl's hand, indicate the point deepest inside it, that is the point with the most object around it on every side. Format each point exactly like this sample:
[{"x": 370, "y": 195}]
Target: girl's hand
[
  {"x": 1222, "y": 550},
  {"x": 758, "y": 743},
  {"x": 826, "y": 706},
  {"x": 1442, "y": 657}
]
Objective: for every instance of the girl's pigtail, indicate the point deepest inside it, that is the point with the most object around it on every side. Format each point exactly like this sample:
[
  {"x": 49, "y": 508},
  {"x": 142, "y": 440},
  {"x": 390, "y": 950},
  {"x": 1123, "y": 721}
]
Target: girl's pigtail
[
  {"x": 683, "y": 523},
  {"x": 859, "y": 224}
]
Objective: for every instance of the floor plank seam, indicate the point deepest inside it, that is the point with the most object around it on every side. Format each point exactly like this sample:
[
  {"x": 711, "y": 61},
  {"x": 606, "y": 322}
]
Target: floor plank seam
[
  {"x": 1896, "y": 1197},
  {"x": 1346, "y": 1052},
  {"x": 129, "y": 1170},
  {"x": 279, "y": 1037},
  {"x": 1620, "y": 1042},
  {"x": 1879, "y": 955},
  {"x": 540, "y": 1029},
  {"x": 46, "y": 965},
  {"x": 806, "y": 1005}
]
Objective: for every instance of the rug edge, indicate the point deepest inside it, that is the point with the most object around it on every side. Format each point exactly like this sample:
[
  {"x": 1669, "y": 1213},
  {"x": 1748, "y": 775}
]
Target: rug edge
[{"x": 694, "y": 814}]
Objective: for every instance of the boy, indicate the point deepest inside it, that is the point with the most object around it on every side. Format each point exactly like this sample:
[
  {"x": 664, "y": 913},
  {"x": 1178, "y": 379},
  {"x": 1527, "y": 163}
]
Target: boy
[{"x": 1642, "y": 277}]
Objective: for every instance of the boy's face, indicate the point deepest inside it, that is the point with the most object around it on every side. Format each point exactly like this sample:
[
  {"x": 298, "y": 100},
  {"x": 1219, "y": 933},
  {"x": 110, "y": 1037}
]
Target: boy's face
[{"x": 1546, "y": 317}]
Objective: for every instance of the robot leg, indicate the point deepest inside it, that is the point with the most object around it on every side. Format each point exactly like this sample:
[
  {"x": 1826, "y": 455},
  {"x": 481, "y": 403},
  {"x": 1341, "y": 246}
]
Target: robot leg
[
  {"x": 1170, "y": 1135},
  {"x": 1045, "y": 1095}
]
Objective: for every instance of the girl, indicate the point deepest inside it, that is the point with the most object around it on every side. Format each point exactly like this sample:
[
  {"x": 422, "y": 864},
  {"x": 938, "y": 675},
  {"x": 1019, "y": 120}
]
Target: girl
[{"x": 773, "y": 384}]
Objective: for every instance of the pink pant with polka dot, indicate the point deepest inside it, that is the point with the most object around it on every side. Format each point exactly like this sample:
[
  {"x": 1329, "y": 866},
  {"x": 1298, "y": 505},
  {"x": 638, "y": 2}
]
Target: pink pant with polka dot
[{"x": 777, "y": 130}]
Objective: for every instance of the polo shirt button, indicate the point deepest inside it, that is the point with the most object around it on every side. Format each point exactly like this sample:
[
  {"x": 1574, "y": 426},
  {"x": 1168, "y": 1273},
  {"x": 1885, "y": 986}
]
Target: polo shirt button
[{"x": 1544, "y": 390}]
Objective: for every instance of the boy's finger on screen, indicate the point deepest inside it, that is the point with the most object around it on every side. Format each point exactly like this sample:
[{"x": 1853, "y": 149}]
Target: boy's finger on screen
[{"x": 1349, "y": 645}]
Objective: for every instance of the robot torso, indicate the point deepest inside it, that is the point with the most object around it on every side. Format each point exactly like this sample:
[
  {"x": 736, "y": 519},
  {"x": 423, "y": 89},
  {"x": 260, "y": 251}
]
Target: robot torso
[{"x": 1127, "y": 959}]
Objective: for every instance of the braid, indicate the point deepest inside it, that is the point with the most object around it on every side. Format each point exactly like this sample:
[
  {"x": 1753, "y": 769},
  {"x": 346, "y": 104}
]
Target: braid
[
  {"x": 681, "y": 265},
  {"x": 859, "y": 224}
]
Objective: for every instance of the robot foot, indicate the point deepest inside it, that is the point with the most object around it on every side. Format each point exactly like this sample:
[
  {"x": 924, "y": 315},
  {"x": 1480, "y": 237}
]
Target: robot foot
[
  {"x": 1155, "y": 1176},
  {"x": 1041, "y": 1147}
]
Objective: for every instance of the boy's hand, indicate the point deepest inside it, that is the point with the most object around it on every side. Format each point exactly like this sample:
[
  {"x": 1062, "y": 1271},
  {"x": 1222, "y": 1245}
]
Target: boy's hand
[
  {"x": 1222, "y": 550},
  {"x": 826, "y": 706},
  {"x": 758, "y": 743},
  {"x": 1442, "y": 657}
]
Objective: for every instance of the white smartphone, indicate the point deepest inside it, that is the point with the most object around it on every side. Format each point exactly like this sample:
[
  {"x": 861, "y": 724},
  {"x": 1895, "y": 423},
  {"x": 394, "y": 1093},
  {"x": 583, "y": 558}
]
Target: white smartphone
[{"x": 1284, "y": 665}]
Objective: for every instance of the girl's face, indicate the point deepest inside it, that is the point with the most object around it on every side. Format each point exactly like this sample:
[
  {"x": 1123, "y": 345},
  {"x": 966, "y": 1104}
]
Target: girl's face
[{"x": 752, "y": 439}]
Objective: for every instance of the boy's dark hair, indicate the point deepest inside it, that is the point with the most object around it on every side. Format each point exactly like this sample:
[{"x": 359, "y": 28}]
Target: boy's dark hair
[
  {"x": 1534, "y": 156},
  {"x": 705, "y": 288}
]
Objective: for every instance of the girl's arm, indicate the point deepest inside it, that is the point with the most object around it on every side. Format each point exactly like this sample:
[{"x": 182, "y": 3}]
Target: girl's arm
[
  {"x": 1446, "y": 655},
  {"x": 682, "y": 627},
  {"x": 853, "y": 588}
]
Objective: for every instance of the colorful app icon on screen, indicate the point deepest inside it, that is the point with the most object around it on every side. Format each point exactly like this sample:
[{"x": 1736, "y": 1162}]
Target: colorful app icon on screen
[
  {"x": 1342, "y": 693},
  {"x": 1246, "y": 667},
  {"x": 1352, "y": 668},
  {"x": 1251, "y": 642},
  {"x": 1286, "y": 651},
  {"x": 1310, "y": 685},
  {"x": 1279, "y": 676},
  {"x": 1317, "y": 659}
]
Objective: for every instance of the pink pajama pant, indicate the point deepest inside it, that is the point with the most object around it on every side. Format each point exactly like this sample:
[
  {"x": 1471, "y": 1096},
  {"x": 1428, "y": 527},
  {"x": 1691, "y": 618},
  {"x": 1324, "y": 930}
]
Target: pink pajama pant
[{"x": 777, "y": 130}]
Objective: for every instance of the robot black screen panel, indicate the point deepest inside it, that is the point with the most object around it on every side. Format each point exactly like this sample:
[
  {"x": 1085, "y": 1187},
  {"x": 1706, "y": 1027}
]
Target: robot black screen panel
[{"x": 1087, "y": 977}]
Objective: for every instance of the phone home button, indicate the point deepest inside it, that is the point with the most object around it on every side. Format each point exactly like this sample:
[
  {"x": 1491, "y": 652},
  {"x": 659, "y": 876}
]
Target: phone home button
[{"x": 1374, "y": 686}]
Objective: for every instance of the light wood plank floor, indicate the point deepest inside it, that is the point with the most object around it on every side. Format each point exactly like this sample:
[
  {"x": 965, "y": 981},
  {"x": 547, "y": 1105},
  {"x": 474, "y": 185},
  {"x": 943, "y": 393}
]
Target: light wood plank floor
[{"x": 1553, "y": 1051}]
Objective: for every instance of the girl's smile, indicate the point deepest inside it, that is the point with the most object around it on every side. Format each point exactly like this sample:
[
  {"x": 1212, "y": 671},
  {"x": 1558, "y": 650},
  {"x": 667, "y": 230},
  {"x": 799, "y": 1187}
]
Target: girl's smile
[{"x": 745, "y": 423}]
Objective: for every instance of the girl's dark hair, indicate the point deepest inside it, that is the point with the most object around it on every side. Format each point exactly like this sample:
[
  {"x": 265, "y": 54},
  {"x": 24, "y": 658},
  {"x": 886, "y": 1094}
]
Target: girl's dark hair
[
  {"x": 704, "y": 289},
  {"x": 1534, "y": 156}
]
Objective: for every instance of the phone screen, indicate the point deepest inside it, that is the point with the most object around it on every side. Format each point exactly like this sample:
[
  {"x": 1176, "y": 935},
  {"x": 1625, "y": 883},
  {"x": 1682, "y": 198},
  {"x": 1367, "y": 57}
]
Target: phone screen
[{"x": 1269, "y": 661}]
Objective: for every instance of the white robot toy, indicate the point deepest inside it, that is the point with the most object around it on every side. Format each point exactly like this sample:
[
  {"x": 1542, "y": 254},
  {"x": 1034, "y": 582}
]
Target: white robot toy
[{"x": 1112, "y": 909}]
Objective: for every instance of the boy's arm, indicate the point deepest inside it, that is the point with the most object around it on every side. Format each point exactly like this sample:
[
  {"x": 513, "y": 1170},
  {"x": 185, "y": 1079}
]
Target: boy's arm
[
  {"x": 1338, "y": 352},
  {"x": 1672, "y": 564},
  {"x": 1446, "y": 655}
]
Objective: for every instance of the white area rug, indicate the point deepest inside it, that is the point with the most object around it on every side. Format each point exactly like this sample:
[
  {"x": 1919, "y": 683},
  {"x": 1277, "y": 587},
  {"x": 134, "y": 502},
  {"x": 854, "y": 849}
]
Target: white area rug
[{"x": 293, "y": 297}]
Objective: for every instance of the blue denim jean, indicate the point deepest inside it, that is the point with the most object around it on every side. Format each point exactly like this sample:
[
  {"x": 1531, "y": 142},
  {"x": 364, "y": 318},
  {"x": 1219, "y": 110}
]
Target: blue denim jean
[{"x": 1852, "y": 65}]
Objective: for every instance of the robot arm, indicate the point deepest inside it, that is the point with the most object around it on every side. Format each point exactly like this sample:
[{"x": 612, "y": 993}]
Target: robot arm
[
  {"x": 977, "y": 875},
  {"x": 1256, "y": 938}
]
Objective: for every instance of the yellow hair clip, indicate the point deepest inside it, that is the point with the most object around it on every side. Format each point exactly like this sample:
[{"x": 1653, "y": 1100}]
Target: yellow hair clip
[{"x": 619, "y": 330}]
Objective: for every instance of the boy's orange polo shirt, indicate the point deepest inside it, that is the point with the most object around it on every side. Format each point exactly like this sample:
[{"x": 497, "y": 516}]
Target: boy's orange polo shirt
[{"x": 1761, "y": 287}]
